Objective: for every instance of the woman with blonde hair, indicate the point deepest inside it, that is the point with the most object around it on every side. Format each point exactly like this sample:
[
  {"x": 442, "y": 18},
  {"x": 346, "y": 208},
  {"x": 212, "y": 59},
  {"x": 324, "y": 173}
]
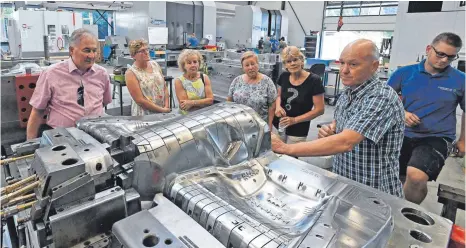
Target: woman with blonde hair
[
  {"x": 300, "y": 97},
  {"x": 254, "y": 89},
  {"x": 145, "y": 82},
  {"x": 193, "y": 89}
]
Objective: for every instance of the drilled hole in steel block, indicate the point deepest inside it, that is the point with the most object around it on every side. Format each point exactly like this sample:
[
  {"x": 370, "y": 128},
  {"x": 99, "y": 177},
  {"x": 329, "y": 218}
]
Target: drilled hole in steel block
[
  {"x": 417, "y": 216},
  {"x": 150, "y": 241},
  {"x": 58, "y": 148},
  {"x": 69, "y": 161},
  {"x": 418, "y": 235},
  {"x": 98, "y": 166}
]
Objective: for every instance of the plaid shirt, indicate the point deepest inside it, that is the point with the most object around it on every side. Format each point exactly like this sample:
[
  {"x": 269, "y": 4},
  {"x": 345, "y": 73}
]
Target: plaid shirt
[{"x": 373, "y": 110}]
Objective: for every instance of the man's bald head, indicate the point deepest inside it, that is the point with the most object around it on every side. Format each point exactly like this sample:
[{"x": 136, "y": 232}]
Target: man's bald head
[
  {"x": 359, "y": 61},
  {"x": 365, "y": 46}
]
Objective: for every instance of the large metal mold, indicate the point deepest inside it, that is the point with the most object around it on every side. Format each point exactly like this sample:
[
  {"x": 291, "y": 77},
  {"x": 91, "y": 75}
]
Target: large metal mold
[
  {"x": 117, "y": 131},
  {"x": 75, "y": 223},
  {"x": 410, "y": 226},
  {"x": 222, "y": 187},
  {"x": 165, "y": 226},
  {"x": 249, "y": 206},
  {"x": 55, "y": 165},
  {"x": 98, "y": 161},
  {"x": 210, "y": 136}
]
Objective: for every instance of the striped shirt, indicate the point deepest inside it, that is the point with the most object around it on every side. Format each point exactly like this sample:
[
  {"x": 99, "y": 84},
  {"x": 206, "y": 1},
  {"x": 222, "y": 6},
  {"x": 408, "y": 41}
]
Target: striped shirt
[{"x": 373, "y": 110}]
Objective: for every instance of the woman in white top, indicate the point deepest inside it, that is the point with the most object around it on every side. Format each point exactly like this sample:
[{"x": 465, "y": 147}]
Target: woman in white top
[{"x": 145, "y": 82}]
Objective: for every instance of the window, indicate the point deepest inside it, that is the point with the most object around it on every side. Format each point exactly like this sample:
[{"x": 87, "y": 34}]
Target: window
[
  {"x": 87, "y": 18},
  {"x": 351, "y": 11},
  {"x": 102, "y": 21},
  {"x": 370, "y": 11},
  {"x": 332, "y": 12},
  {"x": 360, "y": 8},
  {"x": 92, "y": 17},
  {"x": 424, "y": 6}
]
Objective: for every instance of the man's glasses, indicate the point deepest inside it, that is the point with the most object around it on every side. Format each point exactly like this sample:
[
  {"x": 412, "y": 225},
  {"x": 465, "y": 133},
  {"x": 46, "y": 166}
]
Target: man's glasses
[
  {"x": 143, "y": 51},
  {"x": 442, "y": 55},
  {"x": 81, "y": 94}
]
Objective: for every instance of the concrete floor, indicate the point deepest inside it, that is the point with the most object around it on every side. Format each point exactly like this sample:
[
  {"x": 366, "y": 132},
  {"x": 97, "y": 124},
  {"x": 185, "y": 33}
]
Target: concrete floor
[{"x": 450, "y": 170}]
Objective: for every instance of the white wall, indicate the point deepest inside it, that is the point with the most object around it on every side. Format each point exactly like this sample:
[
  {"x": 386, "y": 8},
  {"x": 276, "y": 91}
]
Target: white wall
[
  {"x": 210, "y": 21},
  {"x": 362, "y": 23},
  {"x": 414, "y": 31},
  {"x": 309, "y": 13}
]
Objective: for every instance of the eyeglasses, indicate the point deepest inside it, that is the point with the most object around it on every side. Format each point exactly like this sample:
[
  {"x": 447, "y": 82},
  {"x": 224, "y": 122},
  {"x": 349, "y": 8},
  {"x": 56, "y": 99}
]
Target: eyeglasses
[
  {"x": 143, "y": 51},
  {"x": 81, "y": 94},
  {"x": 292, "y": 60},
  {"x": 442, "y": 55}
]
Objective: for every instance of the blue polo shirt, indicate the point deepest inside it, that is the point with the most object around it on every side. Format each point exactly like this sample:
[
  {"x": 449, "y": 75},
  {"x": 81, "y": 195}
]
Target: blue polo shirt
[
  {"x": 193, "y": 41},
  {"x": 433, "y": 98}
]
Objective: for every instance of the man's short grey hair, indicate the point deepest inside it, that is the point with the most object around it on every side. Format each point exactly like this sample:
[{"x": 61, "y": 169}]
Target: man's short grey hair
[
  {"x": 449, "y": 38},
  {"x": 78, "y": 34}
]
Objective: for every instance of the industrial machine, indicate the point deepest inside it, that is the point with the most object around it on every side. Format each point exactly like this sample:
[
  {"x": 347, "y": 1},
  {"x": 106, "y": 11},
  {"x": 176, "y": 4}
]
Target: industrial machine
[
  {"x": 115, "y": 46},
  {"x": 208, "y": 179},
  {"x": 250, "y": 23},
  {"x": 27, "y": 29}
]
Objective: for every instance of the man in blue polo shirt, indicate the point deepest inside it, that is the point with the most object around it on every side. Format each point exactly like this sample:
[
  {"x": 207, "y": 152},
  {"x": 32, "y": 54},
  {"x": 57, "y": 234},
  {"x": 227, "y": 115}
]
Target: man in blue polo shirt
[
  {"x": 431, "y": 92},
  {"x": 193, "y": 41}
]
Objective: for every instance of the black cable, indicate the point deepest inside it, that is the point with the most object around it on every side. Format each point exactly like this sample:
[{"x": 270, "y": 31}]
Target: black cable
[{"x": 1, "y": 240}]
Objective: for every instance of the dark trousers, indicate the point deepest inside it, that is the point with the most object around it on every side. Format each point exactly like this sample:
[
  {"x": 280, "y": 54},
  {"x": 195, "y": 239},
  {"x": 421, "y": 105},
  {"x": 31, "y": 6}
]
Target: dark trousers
[{"x": 42, "y": 128}]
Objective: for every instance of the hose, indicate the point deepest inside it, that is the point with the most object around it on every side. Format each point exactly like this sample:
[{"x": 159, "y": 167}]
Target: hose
[
  {"x": 20, "y": 192},
  {"x": 9, "y": 160},
  {"x": 10, "y": 188}
]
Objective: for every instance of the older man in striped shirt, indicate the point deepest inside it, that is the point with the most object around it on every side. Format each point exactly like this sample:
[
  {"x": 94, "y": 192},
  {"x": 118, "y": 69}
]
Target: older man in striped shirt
[
  {"x": 367, "y": 132},
  {"x": 70, "y": 89}
]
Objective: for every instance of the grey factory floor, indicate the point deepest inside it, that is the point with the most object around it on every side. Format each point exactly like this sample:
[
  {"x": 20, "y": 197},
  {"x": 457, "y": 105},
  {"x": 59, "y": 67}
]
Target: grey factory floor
[{"x": 449, "y": 171}]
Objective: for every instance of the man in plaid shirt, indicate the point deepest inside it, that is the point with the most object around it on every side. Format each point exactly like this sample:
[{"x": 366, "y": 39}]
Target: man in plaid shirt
[{"x": 367, "y": 133}]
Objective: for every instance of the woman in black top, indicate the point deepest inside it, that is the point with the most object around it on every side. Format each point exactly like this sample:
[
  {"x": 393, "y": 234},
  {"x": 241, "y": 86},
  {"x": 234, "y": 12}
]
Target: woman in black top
[{"x": 300, "y": 97}]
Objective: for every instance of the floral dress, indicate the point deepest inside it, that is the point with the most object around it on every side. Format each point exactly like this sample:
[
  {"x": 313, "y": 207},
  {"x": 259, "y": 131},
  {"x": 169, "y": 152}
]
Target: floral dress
[
  {"x": 152, "y": 85},
  {"x": 258, "y": 96}
]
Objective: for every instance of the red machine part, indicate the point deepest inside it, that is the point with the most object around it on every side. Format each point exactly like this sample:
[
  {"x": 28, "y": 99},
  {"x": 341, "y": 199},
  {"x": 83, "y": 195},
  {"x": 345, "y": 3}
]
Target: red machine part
[
  {"x": 457, "y": 238},
  {"x": 25, "y": 85}
]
